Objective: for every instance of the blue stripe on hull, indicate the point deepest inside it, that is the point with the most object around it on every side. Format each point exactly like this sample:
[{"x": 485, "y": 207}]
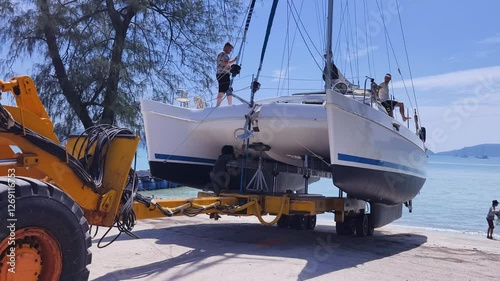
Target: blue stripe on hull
[
  {"x": 184, "y": 158},
  {"x": 378, "y": 163}
]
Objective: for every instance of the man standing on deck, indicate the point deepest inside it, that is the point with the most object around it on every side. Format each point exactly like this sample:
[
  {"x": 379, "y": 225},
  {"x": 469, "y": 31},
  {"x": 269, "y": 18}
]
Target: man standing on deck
[
  {"x": 385, "y": 100},
  {"x": 223, "y": 75}
]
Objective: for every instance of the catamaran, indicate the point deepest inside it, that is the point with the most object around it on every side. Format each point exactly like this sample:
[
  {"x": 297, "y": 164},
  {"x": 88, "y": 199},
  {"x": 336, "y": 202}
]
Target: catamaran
[{"x": 342, "y": 133}]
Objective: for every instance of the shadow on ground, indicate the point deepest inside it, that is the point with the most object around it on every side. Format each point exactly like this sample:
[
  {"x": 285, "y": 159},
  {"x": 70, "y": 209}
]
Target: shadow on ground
[{"x": 324, "y": 251}]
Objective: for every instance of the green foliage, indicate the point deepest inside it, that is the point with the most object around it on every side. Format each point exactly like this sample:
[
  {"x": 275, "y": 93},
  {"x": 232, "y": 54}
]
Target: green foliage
[{"x": 97, "y": 58}]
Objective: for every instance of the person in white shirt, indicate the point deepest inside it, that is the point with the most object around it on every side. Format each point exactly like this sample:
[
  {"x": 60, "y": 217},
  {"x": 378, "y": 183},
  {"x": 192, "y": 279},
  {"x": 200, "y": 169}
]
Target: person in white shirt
[
  {"x": 490, "y": 217},
  {"x": 385, "y": 100}
]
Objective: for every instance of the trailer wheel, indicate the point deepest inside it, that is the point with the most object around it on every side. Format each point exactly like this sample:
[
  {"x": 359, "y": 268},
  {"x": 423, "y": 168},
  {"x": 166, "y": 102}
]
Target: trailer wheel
[
  {"x": 46, "y": 237},
  {"x": 350, "y": 225},
  {"x": 299, "y": 222},
  {"x": 347, "y": 227},
  {"x": 311, "y": 222},
  {"x": 362, "y": 225},
  {"x": 371, "y": 229},
  {"x": 340, "y": 228},
  {"x": 283, "y": 222}
]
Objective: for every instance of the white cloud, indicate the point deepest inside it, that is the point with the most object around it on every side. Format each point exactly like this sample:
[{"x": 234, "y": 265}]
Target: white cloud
[
  {"x": 454, "y": 127},
  {"x": 491, "y": 40},
  {"x": 362, "y": 52},
  {"x": 481, "y": 77},
  {"x": 460, "y": 107}
]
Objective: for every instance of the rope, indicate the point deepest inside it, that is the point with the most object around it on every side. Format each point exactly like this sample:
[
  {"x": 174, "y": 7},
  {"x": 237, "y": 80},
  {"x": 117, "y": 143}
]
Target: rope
[{"x": 258, "y": 210}]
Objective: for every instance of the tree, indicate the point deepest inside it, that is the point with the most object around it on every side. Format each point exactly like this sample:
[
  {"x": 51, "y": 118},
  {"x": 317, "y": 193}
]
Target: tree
[{"x": 98, "y": 57}]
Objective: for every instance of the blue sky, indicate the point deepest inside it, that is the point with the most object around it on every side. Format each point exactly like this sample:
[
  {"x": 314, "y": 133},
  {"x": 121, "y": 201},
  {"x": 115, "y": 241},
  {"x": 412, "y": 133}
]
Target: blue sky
[{"x": 453, "y": 50}]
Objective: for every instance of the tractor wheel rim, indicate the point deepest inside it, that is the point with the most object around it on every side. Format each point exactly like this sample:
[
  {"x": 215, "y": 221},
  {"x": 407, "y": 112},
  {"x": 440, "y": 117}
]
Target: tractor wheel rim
[{"x": 38, "y": 256}]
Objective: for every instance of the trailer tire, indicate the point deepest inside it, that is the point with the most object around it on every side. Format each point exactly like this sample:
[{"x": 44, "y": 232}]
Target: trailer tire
[
  {"x": 311, "y": 222},
  {"x": 283, "y": 222},
  {"x": 371, "y": 229},
  {"x": 299, "y": 222},
  {"x": 340, "y": 228},
  {"x": 362, "y": 225},
  {"x": 50, "y": 232}
]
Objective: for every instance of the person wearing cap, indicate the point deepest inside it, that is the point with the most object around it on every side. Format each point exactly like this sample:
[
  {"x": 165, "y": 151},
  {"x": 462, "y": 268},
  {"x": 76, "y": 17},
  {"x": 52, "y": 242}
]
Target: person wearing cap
[
  {"x": 385, "y": 100},
  {"x": 490, "y": 217},
  {"x": 223, "y": 73}
]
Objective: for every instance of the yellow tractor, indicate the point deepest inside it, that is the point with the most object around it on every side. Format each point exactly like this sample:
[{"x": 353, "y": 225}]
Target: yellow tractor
[{"x": 50, "y": 193}]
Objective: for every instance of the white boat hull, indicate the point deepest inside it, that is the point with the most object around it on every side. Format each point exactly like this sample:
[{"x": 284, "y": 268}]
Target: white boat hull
[
  {"x": 373, "y": 156},
  {"x": 183, "y": 142},
  {"x": 369, "y": 157}
]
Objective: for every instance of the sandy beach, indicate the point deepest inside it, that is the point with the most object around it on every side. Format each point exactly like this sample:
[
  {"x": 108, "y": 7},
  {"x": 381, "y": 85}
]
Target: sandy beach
[{"x": 242, "y": 249}]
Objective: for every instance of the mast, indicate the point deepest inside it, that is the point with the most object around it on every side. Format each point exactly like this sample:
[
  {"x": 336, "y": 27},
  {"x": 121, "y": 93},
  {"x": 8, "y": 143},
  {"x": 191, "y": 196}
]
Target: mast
[{"x": 329, "y": 28}]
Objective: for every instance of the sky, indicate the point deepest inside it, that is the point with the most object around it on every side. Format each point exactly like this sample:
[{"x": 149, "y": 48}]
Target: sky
[{"x": 453, "y": 52}]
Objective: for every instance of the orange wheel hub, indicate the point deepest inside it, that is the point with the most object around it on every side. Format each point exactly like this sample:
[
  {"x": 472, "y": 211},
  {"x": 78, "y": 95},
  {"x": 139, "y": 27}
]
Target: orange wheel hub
[{"x": 32, "y": 253}]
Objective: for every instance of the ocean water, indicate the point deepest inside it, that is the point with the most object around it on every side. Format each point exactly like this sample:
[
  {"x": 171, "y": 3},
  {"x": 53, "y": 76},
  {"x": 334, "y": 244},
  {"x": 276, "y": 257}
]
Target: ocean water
[{"x": 456, "y": 196}]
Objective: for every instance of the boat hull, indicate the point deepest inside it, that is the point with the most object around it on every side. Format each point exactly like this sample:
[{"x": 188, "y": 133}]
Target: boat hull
[
  {"x": 373, "y": 157},
  {"x": 370, "y": 155},
  {"x": 183, "y": 144}
]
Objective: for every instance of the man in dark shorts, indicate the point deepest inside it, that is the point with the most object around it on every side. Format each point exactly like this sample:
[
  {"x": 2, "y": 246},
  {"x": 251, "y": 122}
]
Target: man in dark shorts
[
  {"x": 387, "y": 103},
  {"x": 223, "y": 75}
]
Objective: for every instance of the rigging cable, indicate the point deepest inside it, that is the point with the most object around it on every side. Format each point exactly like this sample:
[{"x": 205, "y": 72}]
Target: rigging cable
[
  {"x": 349, "y": 39},
  {"x": 289, "y": 52},
  {"x": 388, "y": 39},
  {"x": 356, "y": 40},
  {"x": 408, "y": 61},
  {"x": 302, "y": 35},
  {"x": 247, "y": 24},
  {"x": 286, "y": 49},
  {"x": 235, "y": 69},
  {"x": 255, "y": 83},
  {"x": 386, "y": 36},
  {"x": 367, "y": 41}
]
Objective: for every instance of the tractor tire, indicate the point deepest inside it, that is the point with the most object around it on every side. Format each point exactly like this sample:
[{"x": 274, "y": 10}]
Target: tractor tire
[{"x": 51, "y": 234}]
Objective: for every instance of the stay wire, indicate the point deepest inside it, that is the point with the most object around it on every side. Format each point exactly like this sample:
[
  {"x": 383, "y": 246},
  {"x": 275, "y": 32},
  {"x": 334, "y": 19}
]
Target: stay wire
[
  {"x": 408, "y": 61},
  {"x": 389, "y": 41},
  {"x": 247, "y": 23},
  {"x": 304, "y": 39}
]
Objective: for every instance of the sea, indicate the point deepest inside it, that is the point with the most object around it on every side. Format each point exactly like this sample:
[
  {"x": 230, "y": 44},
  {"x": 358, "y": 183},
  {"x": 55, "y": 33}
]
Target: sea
[{"x": 455, "y": 198}]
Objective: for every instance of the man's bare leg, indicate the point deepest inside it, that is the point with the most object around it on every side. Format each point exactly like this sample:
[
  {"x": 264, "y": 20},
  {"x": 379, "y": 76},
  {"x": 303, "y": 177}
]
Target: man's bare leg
[
  {"x": 402, "y": 111},
  {"x": 230, "y": 100},
  {"x": 219, "y": 98}
]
